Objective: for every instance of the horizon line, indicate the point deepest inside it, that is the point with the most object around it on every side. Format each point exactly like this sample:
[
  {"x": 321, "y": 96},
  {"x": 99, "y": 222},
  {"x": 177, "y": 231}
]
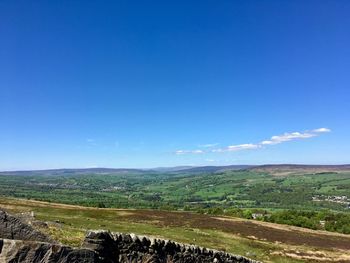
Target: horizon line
[{"x": 164, "y": 167}]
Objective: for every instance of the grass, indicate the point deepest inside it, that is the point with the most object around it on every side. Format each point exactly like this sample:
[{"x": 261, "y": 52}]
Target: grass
[{"x": 75, "y": 221}]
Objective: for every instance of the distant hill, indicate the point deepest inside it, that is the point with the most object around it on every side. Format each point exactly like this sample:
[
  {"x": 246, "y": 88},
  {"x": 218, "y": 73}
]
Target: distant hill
[
  {"x": 263, "y": 168},
  {"x": 215, "y": 169},
  {"x": 287, "y": 169},
  {"x": 277, "y": 169},
  {"x": 54, "y": 172},
  {"x": 171, "y": 169}
]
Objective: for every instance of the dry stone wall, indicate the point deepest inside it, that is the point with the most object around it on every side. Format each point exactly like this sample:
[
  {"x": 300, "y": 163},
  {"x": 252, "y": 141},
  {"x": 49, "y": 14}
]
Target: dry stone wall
[{"x": 117, "y": 247}]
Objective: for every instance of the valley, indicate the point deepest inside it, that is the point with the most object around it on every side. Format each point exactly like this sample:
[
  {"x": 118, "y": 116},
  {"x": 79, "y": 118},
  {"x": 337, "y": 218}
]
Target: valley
[{"x": 274, "y": 214}]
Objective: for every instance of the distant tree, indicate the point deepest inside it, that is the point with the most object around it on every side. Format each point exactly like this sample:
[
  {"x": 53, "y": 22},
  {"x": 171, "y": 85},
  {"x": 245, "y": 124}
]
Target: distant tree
[
  {"x": 247, "y": 214},
  {"x": 101, "y": 205}
]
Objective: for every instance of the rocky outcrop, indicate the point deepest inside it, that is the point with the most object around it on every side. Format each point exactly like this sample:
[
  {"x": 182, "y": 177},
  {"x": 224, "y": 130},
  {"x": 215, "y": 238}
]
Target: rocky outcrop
[
  {"x": 19, "y": 242},
  {"x": 104, "y": 244},
  {"x": 13, "y": 228},
  {"x": 32, "y": 251}
]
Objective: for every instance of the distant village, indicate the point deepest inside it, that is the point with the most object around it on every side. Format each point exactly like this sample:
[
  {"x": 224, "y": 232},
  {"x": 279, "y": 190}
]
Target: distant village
[{"x": 340, "y": 199}]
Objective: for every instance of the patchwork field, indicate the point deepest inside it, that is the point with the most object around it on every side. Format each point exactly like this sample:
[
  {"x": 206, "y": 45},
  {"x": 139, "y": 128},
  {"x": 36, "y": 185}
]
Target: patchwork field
[
  {"x": 264, "y": 187},
  {"x": 261, "y": 240}
]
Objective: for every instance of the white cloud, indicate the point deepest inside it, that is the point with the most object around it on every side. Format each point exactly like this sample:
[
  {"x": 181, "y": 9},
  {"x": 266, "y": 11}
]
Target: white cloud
[
  {"x": 235, "y": 148},
  {"x": 321, "y": 130},
  {"x": 287, "y": 137},
  {"x": 267, "y": 143},
  {"x": 277, "y": 139}
]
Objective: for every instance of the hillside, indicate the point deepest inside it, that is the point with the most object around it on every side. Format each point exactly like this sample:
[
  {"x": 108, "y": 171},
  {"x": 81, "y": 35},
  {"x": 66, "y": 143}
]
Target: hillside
[
  {"x": 296, "y": 168},
  {"x": 290, "y": 169},
  {"x": 62, "y": 172},
  {"x": 263, "y": 241},
  {"x": 266, "y": 187},
  {"x": 20, "y": 242}
]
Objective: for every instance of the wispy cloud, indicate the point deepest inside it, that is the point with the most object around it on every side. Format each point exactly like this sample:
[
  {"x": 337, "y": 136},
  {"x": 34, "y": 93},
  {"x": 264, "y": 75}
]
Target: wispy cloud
[
  {"x": 288, "y": 137},
  {"x": 235, "y": 148},
  {"x": 320, "y": 130},
  {"x": 276, "y": 139}
]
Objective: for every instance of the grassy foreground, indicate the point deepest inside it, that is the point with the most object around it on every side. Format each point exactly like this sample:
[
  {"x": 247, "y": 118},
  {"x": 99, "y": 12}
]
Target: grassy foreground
[{"x": 263, "y": 241}]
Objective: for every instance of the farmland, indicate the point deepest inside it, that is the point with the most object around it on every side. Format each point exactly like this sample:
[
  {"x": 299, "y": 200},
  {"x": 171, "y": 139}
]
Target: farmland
[{"x": 149, "y": 189}]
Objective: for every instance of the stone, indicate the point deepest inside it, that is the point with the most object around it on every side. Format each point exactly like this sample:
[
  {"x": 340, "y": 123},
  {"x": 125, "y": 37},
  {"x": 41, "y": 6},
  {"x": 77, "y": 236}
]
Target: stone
[
  {"x": 13, "y": 228},
  {"x": 33, "y": 251}
]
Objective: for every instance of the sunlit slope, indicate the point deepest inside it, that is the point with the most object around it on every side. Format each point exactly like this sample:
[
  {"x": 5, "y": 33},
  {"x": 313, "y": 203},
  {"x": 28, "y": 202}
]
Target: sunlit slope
[
  {"x": 275, "y": 188},
  {"x": 264, "y": 241}
]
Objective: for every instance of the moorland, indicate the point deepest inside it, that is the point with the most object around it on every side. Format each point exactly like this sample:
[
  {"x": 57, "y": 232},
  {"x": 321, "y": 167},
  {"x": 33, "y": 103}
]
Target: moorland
[{"x": 243, "y": 210}]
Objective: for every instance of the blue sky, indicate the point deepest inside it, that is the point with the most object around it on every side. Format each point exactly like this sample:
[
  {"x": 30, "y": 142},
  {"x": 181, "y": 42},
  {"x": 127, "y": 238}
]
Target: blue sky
[{"x": 165, "y": 83}]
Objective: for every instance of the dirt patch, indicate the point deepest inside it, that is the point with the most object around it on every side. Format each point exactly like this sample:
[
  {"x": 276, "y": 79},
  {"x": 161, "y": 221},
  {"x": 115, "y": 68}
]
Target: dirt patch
[
  {"x": 289, "y": 227},
  {"x": 313, "y": 256},
  {"x": 244, "y": 228}
]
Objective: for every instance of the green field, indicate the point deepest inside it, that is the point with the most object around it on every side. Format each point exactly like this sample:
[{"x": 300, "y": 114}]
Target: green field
[{"x": 230, "y": 189}]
